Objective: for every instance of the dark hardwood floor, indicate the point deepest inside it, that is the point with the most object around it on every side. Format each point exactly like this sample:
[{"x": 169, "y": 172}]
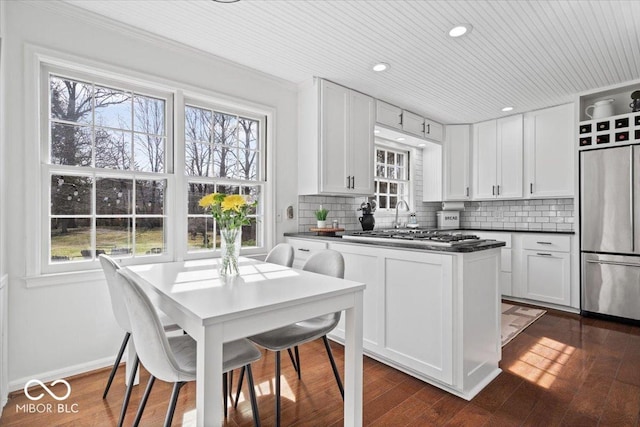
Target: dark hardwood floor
[{"x": 562, "y": 370}]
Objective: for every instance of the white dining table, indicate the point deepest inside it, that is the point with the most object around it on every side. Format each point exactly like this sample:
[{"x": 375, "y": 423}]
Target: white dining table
[{"x": 264, "y": 297}]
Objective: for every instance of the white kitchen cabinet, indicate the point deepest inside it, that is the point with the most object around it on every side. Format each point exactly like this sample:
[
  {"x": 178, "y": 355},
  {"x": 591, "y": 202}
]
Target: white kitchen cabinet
[
  {"x": 456, "y": 163},
  {"x": 434, "y": 315},
  {"x": 335, "y": 153},
  {"x": 497, "y": 158},
  {"x": 549, "y": 144},
  {"x": 545, "y": 268},
  {"x": 388, "y": 115},
  {"x": 408, "y": 122},
  {"x": 433, "y": 130},
  {"x": 506, "y": 275},
  {"x": 304, "y": 248},
  {"x": 413, "y": 124}
]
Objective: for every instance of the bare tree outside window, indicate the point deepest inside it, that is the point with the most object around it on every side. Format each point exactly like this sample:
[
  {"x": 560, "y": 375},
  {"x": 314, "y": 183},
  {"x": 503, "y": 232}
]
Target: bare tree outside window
[
  {"x": 223, "y": 149},
  {"x": 102, "y": 128}
]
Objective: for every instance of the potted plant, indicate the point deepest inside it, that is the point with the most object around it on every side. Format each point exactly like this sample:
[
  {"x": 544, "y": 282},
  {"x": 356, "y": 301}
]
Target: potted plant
[{"x": 321, "y": 216}]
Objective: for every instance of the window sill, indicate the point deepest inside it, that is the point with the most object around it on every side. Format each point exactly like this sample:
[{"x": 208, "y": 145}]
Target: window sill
[{"x": 66, "y": 278}]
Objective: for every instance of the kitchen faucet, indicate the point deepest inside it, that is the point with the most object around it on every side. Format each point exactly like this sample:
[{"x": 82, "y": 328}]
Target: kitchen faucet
[{"x": 401, "y": 201}]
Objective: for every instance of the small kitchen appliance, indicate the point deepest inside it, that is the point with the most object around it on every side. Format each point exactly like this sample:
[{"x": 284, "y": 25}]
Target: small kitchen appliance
[
  {"x": 635, "y": 104},
  {"x": 448, "y": 219}
]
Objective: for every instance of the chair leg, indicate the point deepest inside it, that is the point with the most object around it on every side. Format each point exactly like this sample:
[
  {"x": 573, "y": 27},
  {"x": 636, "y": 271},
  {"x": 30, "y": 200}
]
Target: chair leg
[
  {"x": 235, "y": 403},
  {"x": 115, "y": 365},
  {"x": 298, "y": 362},
  {"x": 225, "y": 392},
  {"x": 143, "y": 402},
  {"x": 127, "y": 394},
  {"x": 172, "y": 404},
  {"x": 277, "y": 389},
  {"x": 333, "y": 365},
  {"x": 293, "y": 361},
  {"x": 252, "y": 394}
]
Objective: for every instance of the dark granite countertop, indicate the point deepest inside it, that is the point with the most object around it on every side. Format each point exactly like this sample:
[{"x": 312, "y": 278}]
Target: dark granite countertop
[{"x": 489, "y": 244}]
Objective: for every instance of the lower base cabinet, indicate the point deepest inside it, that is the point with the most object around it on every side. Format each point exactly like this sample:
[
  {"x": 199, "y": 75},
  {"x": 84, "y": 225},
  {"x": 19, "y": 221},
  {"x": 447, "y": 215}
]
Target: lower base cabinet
[
  {"x": 546, "y": 276},
  {"x": 433, "y": 315}
]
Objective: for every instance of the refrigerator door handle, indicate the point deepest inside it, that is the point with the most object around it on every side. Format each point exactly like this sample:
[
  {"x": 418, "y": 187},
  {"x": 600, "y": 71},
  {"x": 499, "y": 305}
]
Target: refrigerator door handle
[
  {"x": 631, "y": 196},
  {"x": 624, "y": 264}
]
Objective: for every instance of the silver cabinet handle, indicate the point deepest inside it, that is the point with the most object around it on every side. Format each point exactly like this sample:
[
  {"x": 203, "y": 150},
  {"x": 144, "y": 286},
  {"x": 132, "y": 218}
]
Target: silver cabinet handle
[
  {"x": 498, "y": 190},
  {"x": 493, "y": 190},
  {"x": 541, "y": 254},
  {"x": 624, "y": 264},
  {"x": 544, "y": 243},
  {"x": 429, "y": 128},
  {"x": 353, "y": 181},
  {"x": 349, "y": 181},
  {"x": 304, "y": 250},
  {"x": 401, "y": 116},
  {"x": 423, "y": 128},
  {"x": 531, "y": 188},
  {"x": 467, "y": 191}
]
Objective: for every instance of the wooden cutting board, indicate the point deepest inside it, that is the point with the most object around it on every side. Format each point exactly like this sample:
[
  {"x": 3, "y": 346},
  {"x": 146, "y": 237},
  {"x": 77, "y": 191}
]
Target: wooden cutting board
[{"x": 326, "y": 231}]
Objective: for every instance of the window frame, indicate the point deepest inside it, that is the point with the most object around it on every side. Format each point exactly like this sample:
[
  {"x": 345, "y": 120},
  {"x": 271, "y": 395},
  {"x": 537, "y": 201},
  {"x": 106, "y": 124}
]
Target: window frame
[
  {"x": 261, "y": 181},
  {"x": 38, "y": 271},
  {"x": 409, "y": 152}
]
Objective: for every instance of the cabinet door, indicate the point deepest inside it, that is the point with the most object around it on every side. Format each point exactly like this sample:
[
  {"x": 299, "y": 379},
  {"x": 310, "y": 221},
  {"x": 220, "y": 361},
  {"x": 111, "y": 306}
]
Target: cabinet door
[
  {"x": 361, "y": 124},
  {"x": 365, "y": 265},
  {"x": 413, "y": 124},
  {"x": 456, "y": 163},
  {"x": 549, "y": 152},
  {"x": 510, "y": 148},
  {"x": 418, "y": 313},
  {"x": 388, "y": 115},
  {"x": 546, "y": 276},
  {"x": 334, "y": 138},
  {"x": 484, "y": 160},
  {"x": 432, "y": 130}
]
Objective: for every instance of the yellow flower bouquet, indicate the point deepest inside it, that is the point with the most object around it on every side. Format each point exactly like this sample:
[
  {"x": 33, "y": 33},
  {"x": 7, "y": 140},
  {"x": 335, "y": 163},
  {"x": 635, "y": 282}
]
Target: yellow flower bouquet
[{"x": 230, "y": 212}]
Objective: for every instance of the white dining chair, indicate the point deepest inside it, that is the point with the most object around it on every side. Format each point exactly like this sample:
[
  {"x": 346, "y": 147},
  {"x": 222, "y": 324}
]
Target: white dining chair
[
  {"x": 173, "y": 359},
  {"x": 110, "y": 268},
  {"x": 281, "y": 254},
  {"x": 327, "y": 262}
]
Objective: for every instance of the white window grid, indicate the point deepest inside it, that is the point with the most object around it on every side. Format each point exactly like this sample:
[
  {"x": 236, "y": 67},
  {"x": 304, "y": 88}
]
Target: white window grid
[{"x": 391, "y": 177}]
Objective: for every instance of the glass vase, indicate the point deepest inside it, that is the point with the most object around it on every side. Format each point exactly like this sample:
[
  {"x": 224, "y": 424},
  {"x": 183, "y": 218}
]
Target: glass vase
[{"x": 230, "y": 242}]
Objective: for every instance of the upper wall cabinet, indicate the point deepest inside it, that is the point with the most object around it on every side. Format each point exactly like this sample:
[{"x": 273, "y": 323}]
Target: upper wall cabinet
[
  {"x": 548, "y": 136},
  {"x": 456, "y": 162},
  {"x": 497, "y": 158},
  {"x": 335, "y": 150},
  {"x": 406, "y": 121}
]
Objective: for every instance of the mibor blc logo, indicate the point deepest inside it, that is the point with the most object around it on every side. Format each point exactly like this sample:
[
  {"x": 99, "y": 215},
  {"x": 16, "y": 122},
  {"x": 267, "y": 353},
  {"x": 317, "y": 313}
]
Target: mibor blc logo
[{"x": 50, "y": 408}]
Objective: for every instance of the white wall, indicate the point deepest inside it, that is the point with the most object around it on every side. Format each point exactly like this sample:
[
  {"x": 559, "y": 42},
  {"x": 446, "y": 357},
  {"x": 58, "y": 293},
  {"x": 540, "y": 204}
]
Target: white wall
[
  {"x": 3, "y": 277},
  {"x": 58, "y": 330}
]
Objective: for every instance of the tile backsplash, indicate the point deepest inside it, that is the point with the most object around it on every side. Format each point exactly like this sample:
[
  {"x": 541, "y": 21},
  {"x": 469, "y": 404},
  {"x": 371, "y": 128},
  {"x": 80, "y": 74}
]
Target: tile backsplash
[{"x": 546, "y": 214}]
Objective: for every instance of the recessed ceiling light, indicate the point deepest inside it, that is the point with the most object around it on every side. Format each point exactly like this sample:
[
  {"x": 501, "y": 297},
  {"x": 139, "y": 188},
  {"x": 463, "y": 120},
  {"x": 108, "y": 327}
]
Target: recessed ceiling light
[
  {"x": 381, "y": 66},
  {"x": 422, "y": 145},
  {"x": 226, "y": 1},
  {"x": 460, "y": 30},
  {"x": 400, "y": 139},
  {"x": 505, "y": 109}
]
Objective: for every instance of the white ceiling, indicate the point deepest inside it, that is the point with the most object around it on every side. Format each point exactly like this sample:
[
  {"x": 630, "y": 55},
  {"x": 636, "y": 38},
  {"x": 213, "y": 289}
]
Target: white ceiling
[{"x": 528, "y": 54}]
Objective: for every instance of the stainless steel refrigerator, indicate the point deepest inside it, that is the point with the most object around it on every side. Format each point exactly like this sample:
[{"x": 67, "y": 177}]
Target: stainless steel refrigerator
[{"x": 610, "y": 231}]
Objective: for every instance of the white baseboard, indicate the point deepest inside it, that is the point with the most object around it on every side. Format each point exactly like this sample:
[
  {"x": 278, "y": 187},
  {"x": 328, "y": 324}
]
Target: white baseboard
[{"x": 45, "y": 377}]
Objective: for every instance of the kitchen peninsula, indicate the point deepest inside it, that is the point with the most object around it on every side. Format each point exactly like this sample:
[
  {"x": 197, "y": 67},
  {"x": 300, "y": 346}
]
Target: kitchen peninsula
[{"x": 430, "y": 310}]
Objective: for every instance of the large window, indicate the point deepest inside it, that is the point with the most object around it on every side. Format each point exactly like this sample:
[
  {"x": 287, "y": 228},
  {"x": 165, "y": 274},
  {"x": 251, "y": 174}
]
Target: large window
[
  {"x": 391, "y": 177},
  {"x": 223, "y": 154},
  {"x": 108, "y": 148},
  {"x": 116, "y": 178}
]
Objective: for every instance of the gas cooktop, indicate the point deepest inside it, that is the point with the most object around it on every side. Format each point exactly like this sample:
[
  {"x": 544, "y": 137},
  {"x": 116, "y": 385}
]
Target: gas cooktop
[{"x": 415, "y": 237}]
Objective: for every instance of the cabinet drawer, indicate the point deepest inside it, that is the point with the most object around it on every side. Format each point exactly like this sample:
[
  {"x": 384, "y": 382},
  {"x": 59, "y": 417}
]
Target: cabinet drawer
[
  {"x": 304, "y": 248},
  {"x": 546, "y": 242}
]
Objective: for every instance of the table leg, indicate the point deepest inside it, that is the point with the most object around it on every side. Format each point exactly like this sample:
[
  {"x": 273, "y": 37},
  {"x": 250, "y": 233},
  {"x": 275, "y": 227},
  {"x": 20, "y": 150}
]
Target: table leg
[
  {"x": 353, "y": 364},
  {"x": 209, "y": 377},
  {"x": 131, "y": 355}
]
